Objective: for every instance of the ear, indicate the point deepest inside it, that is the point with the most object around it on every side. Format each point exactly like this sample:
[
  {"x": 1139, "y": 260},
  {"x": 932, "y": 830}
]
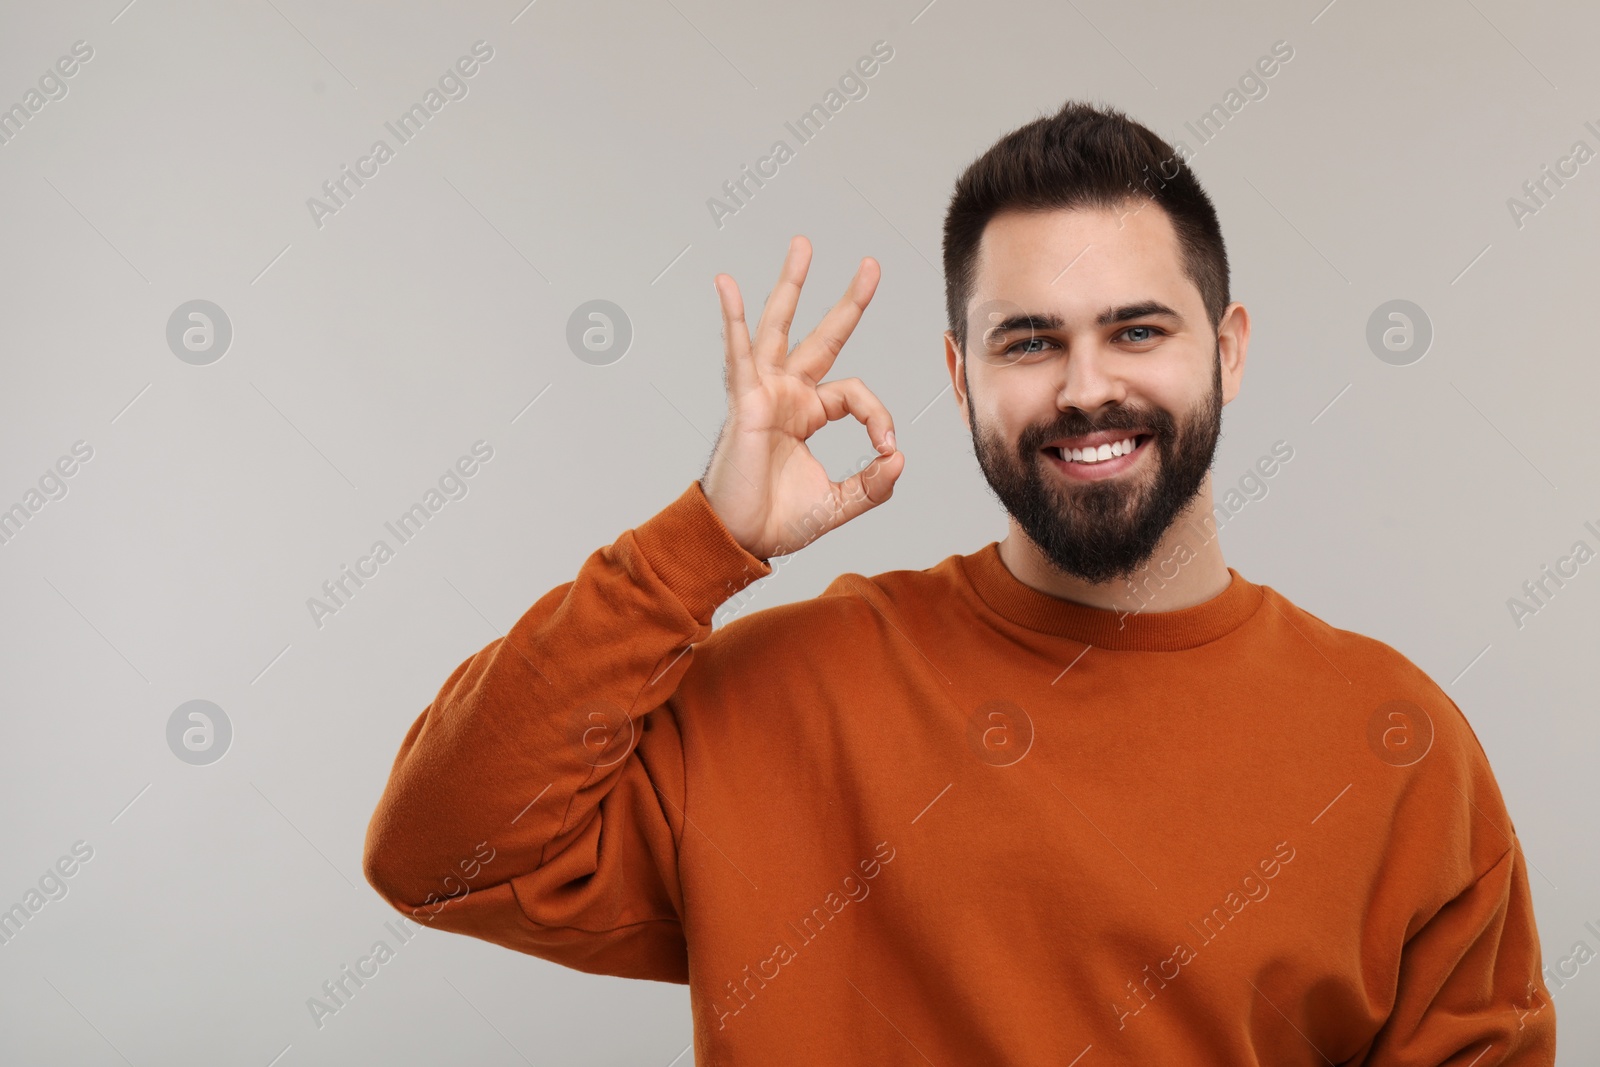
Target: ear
[
  {"x": 953, "y": 361},
  {"x": 1233, "y": 343}
]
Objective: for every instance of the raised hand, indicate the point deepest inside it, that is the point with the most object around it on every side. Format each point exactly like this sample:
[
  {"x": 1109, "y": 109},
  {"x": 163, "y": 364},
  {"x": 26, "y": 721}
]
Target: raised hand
[{"x": 763, "y": 482}]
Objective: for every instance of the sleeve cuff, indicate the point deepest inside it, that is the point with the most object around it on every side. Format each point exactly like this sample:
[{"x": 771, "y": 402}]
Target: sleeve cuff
[{"x": 694, "y": 555}]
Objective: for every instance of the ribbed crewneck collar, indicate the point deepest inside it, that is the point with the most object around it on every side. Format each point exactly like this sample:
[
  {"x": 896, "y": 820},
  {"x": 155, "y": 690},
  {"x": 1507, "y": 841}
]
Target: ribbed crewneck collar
[{"x": 1139, "y": 631}]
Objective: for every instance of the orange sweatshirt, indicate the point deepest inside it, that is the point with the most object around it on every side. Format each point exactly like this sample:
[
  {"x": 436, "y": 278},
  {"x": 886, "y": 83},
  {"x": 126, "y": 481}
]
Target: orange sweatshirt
[{"x": 941, "y": 817}]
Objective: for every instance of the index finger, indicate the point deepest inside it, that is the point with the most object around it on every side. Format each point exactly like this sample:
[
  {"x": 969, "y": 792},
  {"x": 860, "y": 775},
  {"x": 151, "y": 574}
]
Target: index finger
[{"x": 814, "y": 356}]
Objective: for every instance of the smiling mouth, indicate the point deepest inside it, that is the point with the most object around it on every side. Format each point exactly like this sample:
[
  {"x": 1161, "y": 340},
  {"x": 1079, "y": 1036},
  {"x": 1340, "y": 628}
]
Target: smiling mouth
[{"x": 1102, "y": 453}]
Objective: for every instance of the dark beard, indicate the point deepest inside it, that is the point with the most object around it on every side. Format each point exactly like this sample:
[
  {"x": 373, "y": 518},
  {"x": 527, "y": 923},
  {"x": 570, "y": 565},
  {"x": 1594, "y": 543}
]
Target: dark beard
[{"x": 1099, "y": 531}]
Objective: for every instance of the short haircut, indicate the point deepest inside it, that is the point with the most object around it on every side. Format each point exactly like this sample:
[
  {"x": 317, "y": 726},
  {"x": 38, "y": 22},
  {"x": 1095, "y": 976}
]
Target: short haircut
[{"x": 1081, "y": 157}]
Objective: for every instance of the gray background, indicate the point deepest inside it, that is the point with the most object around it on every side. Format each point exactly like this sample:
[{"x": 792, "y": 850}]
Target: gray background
[{"x": 370, "y": 353}]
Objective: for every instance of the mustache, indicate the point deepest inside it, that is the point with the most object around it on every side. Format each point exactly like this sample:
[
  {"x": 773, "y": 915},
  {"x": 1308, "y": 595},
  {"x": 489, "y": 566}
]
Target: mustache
[{"x": 1076, "y": 424}]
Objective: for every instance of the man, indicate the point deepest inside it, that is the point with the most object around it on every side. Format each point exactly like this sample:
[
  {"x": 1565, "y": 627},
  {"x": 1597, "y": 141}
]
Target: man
[{"x": 1017, "y": 807}]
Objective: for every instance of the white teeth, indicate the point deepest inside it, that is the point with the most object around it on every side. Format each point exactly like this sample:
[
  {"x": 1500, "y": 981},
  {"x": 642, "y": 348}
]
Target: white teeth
[{"x": 1097, "y": 455}]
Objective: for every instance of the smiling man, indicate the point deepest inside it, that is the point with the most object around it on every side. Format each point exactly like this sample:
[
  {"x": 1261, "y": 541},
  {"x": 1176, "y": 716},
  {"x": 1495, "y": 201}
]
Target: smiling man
[
  {"x": 1085, "y": 452},
  {"x": 1037, "y": 804}
]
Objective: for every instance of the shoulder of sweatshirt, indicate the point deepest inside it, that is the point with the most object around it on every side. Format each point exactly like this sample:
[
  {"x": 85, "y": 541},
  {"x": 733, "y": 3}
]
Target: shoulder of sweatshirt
[
  {"x": 856, "y": 615},
  {"x": 1452, "y": 780},
  {"x": 1379, "y": 668},
  {"x": 787, "y": 689}
]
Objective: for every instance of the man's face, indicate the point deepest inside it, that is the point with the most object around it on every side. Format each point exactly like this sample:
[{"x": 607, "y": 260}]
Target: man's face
[{"x": 1119, "y": 349}]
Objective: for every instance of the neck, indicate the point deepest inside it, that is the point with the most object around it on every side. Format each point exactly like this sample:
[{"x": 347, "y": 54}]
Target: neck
[{"x": 1186, "y": 568}]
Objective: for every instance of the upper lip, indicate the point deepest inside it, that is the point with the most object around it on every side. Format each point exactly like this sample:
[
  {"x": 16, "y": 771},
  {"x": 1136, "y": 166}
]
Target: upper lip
[{"x": 1095, "y": 440}]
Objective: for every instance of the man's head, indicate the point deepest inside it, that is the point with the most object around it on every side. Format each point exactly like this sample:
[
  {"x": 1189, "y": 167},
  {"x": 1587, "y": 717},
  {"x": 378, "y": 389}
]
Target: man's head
[{"x": 1087, "y": 294}]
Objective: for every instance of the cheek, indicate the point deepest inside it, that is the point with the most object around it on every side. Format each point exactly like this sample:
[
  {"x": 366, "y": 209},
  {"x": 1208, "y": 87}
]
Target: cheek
[
  {"x": 1170, "y": 377},
  {"x": 1009, "y": 400},
  {"x": 1000, "y": 426},
  {"x": 1177, "y": 390}
]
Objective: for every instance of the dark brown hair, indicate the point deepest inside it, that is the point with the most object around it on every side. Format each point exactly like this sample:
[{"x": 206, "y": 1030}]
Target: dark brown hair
[{"x": 1082, "y": 156}]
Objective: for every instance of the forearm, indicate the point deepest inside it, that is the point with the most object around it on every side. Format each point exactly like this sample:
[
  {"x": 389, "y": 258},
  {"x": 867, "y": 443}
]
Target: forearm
[{"x": 530, "y": 733}]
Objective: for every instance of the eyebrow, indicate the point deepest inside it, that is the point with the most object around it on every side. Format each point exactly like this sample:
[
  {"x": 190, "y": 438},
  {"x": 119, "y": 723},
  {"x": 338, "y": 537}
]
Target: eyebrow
[{"x": 1047, "y": 320}]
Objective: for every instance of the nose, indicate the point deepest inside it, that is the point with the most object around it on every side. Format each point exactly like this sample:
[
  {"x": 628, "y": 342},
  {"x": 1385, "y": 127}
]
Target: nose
[{"x": 1088, "y": 378}]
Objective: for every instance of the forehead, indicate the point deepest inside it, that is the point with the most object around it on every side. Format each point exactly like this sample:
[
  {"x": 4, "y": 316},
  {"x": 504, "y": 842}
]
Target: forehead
[{"x": 1082, "y": 257}]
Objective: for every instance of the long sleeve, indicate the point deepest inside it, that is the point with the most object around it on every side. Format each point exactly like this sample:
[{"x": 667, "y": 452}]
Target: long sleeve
[
  {"x": 537, "y": 801},
  {"x": 1471, "y": 989}
]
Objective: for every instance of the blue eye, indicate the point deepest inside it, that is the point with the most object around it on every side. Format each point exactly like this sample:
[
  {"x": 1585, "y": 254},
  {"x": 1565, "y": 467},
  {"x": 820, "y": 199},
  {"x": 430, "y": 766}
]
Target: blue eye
[
  {"x": 1019, "y": 344},
  {"x": 1019, "y": 348}
]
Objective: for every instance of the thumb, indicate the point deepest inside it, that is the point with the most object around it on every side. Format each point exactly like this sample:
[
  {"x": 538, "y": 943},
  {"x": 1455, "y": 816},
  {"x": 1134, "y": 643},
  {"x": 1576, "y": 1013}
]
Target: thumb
[{"x": 864, "y": 491}]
